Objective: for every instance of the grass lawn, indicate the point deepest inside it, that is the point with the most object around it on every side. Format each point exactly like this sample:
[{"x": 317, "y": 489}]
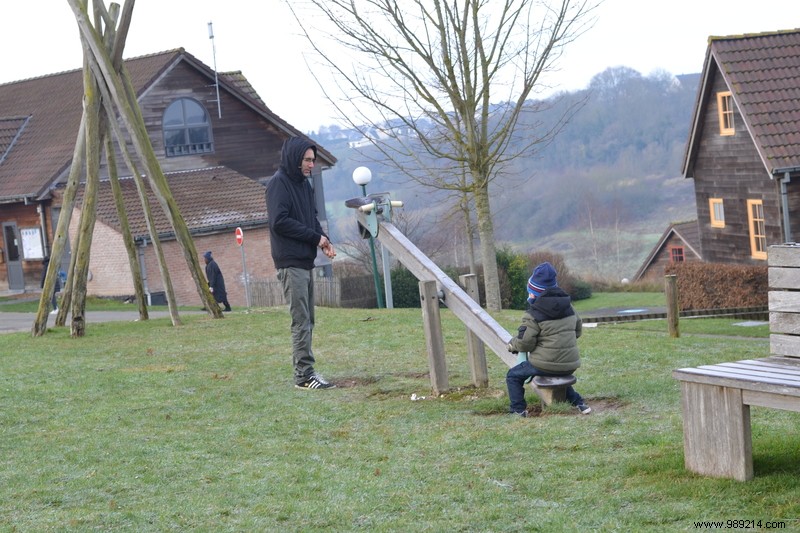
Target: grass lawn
[{"x": 142, "y": 426}]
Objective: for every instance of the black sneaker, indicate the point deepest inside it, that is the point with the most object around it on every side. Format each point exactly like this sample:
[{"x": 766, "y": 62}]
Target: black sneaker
[
  {"x": 315, "y": 382},
  {"x": 583, "y": 408},
  {"x": 523, "y": 414}
]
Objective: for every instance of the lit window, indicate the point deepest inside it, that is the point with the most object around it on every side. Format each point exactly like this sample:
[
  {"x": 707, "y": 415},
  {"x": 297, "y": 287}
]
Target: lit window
[
  {"x": 758, "y": 235},
  {"x": 676, "y": 254},
  {"x": 725, "y": 110},
  {"x": 187, "y": 129},
  {"x": 717, "y": 212}
]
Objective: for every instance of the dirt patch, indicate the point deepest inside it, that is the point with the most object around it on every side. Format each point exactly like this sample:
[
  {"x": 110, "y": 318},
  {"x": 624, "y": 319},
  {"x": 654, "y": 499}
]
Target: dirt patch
[
  {"x": 598, "y": 405},
  {"x": 349, "y": 383}
]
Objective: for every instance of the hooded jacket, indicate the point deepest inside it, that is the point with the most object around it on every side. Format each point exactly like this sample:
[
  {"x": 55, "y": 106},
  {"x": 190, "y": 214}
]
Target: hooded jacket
[
  {"x": 549, "y": 333},
  {"x": 294, "y": 229}
]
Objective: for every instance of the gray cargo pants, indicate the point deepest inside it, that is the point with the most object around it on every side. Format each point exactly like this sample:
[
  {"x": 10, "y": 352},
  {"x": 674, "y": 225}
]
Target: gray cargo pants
[{"x": 298, "y": 288}]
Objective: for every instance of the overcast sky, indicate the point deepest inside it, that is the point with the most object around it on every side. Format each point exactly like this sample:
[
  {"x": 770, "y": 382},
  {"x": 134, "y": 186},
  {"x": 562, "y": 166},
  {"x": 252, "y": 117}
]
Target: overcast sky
[{"x": 259, "y": 37}]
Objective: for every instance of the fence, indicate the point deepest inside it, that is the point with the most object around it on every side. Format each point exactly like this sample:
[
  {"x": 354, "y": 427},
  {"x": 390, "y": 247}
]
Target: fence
[{"x": 268, "y": 293}]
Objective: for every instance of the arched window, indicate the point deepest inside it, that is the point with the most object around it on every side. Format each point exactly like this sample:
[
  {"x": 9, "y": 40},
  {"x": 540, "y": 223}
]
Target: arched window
[{"x": 187, "y": 129}]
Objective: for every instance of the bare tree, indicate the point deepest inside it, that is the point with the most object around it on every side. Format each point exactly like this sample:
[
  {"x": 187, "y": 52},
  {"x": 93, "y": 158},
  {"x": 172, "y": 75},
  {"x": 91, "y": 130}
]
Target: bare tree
[{"x": 423, "y": 78}]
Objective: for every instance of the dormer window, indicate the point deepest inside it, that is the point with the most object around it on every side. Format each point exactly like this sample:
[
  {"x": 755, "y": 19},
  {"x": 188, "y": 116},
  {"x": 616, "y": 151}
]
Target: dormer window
[
  {"x": 725, "y": 110},
  {"x": 187, "y": 129}
]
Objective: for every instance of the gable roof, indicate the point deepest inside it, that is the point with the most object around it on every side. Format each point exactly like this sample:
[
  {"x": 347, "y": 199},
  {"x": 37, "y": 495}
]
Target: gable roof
[
  {"x": 40, "y": 117},
  {"x": 686, "y": 232},
  {"x": 762, "y": 71},
  {"x": 236, "y": 201}
]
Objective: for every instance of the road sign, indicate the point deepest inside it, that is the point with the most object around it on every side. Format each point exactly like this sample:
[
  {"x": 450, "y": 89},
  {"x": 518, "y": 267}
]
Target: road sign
[{"x": 239, "y": 236}]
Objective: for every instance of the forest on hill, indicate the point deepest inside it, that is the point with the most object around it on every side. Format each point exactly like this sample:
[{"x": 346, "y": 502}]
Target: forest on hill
[{"x": 600, "y": 193}]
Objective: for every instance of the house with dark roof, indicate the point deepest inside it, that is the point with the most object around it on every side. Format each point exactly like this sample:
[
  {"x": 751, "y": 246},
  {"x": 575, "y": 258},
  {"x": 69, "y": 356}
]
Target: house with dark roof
[
  {"x": 679, "y": 243},
  {"x": 743, "y": 151},
  {"x": 216, "y": 141}
]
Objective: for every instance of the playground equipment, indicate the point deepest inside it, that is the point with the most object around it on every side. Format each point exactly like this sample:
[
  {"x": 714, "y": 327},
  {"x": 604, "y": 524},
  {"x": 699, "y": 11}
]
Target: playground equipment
[{"x": 374, "y": 213}]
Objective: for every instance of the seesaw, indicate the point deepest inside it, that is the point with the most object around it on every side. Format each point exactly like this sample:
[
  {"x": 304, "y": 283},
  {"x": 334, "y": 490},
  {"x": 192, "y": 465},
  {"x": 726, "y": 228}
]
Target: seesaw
[{"x": 374, "y": 214}]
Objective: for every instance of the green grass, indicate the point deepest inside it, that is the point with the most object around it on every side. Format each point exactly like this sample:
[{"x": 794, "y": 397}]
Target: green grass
[
  {"x": 624, "y": 300},
  {"x": 142, "y": 426},
  {"x": 93, "y": 303}
]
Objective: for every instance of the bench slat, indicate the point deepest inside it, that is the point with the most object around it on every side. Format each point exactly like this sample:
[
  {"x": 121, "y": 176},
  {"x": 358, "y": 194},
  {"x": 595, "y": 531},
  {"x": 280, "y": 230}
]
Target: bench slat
[
  {"x": 756, "y": 371},
  {"x": 736, "y": 381},
  {"x": 790, "y": 372}
]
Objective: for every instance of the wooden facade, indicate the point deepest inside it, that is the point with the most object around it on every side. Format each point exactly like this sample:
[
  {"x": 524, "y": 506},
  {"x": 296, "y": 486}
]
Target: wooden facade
[
  {"x": 243, "y": 153},
  {"x": 679, "y": 243},
  {"x": 728, "y": 167},
  {"x": 743, "y": 151}
]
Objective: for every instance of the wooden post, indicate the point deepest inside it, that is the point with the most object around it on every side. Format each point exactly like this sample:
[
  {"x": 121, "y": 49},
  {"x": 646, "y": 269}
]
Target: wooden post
[
  {"x": 429, "y": 299},
  {"x": 476, "y": 349},
  {"x": 671, "y": 291}
]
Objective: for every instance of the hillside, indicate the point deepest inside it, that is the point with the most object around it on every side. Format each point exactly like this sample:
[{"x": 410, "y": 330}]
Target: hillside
[{"x": 601, "y": 193}]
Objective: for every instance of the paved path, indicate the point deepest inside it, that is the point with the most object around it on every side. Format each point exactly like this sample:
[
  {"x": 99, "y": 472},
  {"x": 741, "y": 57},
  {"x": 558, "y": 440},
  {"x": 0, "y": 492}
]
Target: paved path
[{"x": 14, "y": 322}]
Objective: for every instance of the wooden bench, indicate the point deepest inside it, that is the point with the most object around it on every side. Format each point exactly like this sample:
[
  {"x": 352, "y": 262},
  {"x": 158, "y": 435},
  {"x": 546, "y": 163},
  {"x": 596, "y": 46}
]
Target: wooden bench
[
  {"x": 716, "y": 401},
  {"x": 552, "y": 388}
]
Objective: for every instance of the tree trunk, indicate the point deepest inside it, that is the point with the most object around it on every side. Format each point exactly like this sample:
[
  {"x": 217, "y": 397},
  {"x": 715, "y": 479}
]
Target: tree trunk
[{"x": 491, "y": 280}]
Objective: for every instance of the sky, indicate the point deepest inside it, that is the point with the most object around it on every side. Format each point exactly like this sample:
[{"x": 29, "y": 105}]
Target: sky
[{"x": 261, "y": 39}]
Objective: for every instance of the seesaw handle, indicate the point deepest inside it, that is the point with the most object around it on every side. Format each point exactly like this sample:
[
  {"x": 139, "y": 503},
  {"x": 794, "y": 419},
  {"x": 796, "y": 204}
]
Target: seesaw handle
[
  {"x": 396, "y": 203},
  {"x": 367, "y": 208}
]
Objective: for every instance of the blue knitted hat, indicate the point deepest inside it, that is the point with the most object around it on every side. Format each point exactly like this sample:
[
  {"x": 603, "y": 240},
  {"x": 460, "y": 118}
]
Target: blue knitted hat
[
  {"x": 207, "y": 255},
  {"x": 543, "y": 278}
]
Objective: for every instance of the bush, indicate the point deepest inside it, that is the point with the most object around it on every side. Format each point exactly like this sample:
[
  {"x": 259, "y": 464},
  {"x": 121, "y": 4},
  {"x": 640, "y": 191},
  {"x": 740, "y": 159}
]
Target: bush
[
  {"x": 719, "y": 286},
  {"x": 515, "y": 269},
  {"x": 405, "y": 288}
]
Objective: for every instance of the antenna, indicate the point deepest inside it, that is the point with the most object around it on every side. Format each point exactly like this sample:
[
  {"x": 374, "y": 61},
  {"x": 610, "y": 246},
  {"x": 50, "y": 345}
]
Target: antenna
[{"x": 216, "y": 78}]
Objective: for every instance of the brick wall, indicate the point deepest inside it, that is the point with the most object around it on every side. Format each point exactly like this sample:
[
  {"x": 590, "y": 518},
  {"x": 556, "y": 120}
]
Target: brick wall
[{"x": 111, "y": 275}]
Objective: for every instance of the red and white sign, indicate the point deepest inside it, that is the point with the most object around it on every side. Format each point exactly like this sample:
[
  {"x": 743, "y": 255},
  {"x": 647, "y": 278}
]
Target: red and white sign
[{"x": 239, "y": 236}]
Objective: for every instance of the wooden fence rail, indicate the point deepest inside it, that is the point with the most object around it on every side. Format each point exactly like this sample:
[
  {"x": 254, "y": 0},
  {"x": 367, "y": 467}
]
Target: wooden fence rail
[{"x": 269, "y": 293}]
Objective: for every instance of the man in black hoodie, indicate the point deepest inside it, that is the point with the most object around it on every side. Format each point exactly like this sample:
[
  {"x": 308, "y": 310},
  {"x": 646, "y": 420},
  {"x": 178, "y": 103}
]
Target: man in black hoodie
[
  {"x": 547, "y": 340},
  {"x": 295, "y": 234}
]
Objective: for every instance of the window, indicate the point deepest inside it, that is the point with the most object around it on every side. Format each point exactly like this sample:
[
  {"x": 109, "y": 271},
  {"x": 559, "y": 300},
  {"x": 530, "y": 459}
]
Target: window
[
  {"x": 725, "y": 110},
  {"x": 187, "y": 129},
  {"x": 758, "y": 235},
  {"x": 676, "y": 254},
  {"x": 717, "y": 212}
]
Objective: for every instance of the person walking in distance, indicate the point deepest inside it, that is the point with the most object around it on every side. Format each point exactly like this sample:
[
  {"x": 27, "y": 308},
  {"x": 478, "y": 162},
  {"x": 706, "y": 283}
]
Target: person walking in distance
[
  {"x": 216, "y": 282},
  {"x": 295, "y": 236}
]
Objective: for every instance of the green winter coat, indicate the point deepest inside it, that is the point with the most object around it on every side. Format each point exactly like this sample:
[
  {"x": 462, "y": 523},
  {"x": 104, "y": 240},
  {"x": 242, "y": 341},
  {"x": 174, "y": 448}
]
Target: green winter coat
[{"x": 549, "y": 333}]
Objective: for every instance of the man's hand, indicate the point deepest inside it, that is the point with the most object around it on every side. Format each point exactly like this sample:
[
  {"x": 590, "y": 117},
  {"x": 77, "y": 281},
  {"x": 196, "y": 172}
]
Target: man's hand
[{"x": 327, "y": 247}]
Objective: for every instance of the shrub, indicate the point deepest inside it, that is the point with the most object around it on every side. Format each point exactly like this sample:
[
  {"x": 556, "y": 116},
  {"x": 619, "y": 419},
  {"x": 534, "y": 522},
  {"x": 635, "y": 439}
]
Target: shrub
[{"x": 719, "y": 286}]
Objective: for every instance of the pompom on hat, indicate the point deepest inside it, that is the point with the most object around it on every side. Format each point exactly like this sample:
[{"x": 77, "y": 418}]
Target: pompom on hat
[{"x": 543, "y": 278}]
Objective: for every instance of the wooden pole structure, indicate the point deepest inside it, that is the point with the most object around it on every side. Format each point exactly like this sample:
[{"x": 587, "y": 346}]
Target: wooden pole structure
[
  {"x": 130, "y": 245},
  {"x": 671, "y": 292},
  {"x": 476, "y": 349},
  {"x": 432, "y": 324},
  {"x": 59, "y": 242},
  {"x": 124, "y": 98}
]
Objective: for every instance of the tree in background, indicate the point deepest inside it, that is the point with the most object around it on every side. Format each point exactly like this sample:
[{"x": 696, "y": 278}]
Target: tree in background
[{"x": 423, "y": 77}]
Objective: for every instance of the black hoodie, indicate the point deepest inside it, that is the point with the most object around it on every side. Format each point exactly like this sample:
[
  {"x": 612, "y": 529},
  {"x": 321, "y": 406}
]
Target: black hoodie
[{"x": 294, "y": 229}]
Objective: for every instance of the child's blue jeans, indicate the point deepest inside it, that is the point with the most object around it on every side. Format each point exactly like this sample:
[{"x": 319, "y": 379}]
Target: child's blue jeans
[{"x": 515, "y": 381}]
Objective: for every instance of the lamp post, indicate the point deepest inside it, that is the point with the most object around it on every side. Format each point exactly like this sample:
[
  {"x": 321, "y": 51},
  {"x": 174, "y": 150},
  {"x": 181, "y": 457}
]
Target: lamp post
[{"x": 362, "y": 176}]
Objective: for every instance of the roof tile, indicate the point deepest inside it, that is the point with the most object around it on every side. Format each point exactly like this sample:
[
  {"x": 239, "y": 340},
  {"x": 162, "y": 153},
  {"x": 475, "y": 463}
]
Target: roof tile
[{"x": 764, "y": 70}]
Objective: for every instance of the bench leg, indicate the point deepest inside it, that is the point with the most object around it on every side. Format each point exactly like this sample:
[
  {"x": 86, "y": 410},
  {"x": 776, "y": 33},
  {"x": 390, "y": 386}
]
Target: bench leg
[
  {"x": 550, "y": 394},
  {"x": 716, "y": 431}
]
